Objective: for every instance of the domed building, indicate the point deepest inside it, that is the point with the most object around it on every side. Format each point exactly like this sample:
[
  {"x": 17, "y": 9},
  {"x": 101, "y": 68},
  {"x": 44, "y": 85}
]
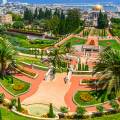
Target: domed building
[
  {"x": 94, "y": 13},
  {"x": 97, "y": 8}
]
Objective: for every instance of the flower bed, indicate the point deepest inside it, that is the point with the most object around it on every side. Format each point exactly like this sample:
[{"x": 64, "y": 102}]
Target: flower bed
[
  {"x": 86, "y": 98},
  {"x": 16, "y": 87}
]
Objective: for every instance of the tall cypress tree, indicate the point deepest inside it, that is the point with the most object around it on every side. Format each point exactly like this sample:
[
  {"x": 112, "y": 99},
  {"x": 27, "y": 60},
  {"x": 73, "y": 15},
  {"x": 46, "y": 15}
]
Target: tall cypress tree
[
  {"x": 36, "y": 14},
  {"x": 51, "y": 113},
  {"x": 41, "y": 14},
  {"x": 102, "y": 20},
  {"x": 19, "y": 108}
]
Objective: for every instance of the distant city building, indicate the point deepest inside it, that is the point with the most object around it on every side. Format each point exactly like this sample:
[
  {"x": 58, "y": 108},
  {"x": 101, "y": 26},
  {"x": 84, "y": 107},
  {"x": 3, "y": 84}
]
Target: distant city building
[{"x": 6, "y": 19}]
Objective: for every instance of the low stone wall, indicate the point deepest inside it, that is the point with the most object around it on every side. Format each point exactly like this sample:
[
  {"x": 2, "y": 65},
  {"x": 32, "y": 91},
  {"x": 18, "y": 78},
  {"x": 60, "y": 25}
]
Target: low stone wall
[{"x": 34, "y": 117}]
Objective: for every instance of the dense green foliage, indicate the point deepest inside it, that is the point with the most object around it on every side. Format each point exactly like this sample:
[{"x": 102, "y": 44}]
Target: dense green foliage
[
  {"x": 102, "y": 20},
  {"x": 18, "y": 25},
  {"x": 80, "y": 111},
  {"x": 57, "y": 22},
  {"x": 115, "y": 27},
  {"x": 2, "y": 29},
  {"x": 6, "y": 55},
  {"x": 109, "y": 70}
]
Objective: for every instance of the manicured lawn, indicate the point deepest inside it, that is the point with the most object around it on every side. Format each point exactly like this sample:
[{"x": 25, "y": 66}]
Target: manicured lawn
[
  {"x": 107, "y": 117},
  {"x": 30, "y": 60},
  {"x": 73, "y": 41},
  {"x": 8, "y": 115},
  {"x": 17, "y": 87},
  {"x": 113, "y": 43},
  {"x": 84, "y": 98},
  {"x": 76, "y": 41}
]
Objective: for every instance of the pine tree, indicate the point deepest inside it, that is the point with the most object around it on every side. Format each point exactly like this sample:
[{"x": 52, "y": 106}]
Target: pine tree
[
  {"x": 51, "y": 112},
  {"x": 19, "y": 108}
]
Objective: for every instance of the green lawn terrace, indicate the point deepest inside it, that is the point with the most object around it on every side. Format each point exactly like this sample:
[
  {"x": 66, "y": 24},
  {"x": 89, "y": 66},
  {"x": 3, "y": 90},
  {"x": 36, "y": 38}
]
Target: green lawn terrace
[
  {"x": 112, "y": 43},
  {"x": 23, "y": 44}
]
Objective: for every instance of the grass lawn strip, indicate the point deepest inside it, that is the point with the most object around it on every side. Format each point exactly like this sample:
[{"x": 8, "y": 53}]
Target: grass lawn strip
[{"x": 8, "y": 115}]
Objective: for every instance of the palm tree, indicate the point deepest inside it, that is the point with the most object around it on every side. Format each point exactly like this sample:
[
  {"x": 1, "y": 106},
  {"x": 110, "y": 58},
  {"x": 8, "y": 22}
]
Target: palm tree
[
  {"x": 55, "y": 58},
  {"x": 108, "y": 70},
  {"x": 6, "y": 55}
]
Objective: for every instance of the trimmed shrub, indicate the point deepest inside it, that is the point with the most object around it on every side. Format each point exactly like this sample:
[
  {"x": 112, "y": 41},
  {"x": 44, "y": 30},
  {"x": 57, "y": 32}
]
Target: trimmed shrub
[
  {"x": 12, "y": 103},
  {"x": 100, "y": 108},
  {"x": 64, "y": 109},
  {"x": 51, "y": 112},
  {"x": 80, "y": 111},
  {"x": 2, "y": 96},
  {"x": 114, "y": 105}
]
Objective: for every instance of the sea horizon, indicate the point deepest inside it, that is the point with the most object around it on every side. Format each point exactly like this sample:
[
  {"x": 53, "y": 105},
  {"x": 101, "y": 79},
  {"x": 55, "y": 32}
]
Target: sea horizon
[{"x": 67, "y": 1}]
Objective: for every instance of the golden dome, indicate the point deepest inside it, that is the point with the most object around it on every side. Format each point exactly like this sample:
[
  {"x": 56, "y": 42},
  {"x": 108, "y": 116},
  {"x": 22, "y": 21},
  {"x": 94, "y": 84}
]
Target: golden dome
[{"x": 97, "y": 7}]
